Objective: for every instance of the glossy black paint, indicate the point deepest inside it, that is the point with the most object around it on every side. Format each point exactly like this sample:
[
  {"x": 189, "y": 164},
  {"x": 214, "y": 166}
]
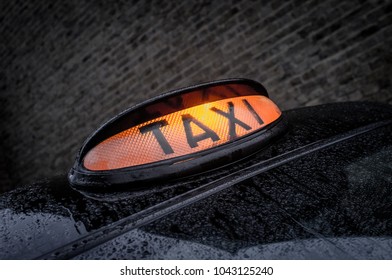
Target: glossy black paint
[{"x": 324, "y": 202}]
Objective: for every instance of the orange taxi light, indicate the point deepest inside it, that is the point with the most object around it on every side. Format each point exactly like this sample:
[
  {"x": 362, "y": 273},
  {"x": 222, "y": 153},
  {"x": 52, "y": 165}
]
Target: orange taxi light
[{"x": 183, "y": 132}]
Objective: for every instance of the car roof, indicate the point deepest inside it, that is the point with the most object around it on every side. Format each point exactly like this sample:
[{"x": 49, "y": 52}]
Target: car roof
[{"x": 312, "y": 183}]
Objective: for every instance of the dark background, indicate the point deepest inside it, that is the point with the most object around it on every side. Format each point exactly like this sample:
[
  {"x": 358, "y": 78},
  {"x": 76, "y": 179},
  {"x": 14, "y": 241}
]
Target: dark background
[{"x": 67, "y": 66}]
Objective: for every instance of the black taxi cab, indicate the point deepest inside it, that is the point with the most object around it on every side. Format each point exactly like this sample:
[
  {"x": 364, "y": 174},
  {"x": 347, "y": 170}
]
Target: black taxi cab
[{"x": 216, "y": 171}]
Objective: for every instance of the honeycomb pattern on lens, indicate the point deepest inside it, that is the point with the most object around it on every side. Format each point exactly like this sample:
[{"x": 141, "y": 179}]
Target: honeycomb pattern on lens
[{"x": 132, "y": 148}]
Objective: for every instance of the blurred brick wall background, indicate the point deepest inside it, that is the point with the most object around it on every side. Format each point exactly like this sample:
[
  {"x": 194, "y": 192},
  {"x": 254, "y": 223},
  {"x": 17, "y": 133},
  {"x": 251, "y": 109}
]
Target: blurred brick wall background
[{"x": 67, "y": 66}]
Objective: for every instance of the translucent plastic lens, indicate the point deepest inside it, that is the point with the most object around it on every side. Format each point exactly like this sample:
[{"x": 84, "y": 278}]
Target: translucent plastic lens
[{"x": 183, "y": 132}]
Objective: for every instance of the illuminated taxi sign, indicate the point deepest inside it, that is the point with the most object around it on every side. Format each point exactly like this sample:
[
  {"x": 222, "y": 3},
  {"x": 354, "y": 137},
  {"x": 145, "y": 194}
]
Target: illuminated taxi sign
[
  {"x": 184, "y": 132},
  {"x": 178, "y": 134}
]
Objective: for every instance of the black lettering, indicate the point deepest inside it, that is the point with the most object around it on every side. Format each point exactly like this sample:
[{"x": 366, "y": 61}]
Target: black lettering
[
  {"x": 155, "y": 128},
  {"x": 193, "y": 139},
  {"x": 253, "y": 111},
  {"x": 233, "y": 121},
  {"x": 126, "y": 271}
]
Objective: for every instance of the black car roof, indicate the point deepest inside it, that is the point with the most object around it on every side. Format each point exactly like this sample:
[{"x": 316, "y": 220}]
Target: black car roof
[{"x": 294, "y": 189}]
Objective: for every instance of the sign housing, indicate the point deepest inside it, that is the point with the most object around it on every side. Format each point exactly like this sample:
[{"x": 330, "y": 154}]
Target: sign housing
[{"x": 177, "y": 134}]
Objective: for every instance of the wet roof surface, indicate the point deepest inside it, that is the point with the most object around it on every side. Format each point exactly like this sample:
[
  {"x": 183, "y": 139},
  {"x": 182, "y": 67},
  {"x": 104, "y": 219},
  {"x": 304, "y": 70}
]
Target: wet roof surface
[{"x": 321, "y": 196}]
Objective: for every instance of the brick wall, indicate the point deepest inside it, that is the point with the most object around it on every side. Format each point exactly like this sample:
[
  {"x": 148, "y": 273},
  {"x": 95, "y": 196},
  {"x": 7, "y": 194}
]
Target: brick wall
[{"x": 67, "y": 66}]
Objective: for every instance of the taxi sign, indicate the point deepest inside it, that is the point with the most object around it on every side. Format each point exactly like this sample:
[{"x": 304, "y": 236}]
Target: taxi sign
[{"x": 177, "y": 134}]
